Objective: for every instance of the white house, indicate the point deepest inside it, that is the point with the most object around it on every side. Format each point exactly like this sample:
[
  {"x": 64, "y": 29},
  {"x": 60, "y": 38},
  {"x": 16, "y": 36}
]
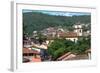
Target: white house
[{"x": 78, "y": 29}]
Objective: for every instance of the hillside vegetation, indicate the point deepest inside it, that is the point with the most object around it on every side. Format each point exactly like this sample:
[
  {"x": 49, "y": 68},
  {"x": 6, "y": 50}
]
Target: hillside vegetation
[{"x": 38, "y": 21}]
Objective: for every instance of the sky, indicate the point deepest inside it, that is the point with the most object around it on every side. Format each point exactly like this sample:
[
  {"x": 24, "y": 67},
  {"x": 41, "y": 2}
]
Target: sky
[{"x": 57, "y": 13}]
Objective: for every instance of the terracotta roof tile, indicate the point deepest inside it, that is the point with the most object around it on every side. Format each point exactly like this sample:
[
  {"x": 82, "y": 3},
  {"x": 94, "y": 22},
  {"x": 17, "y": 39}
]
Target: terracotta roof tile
[
  {"x": 26, "y": 50},
  {"x": 68, "y": 34},
  {"x": 36, "y": 59},
  {"x": 63, "y": 56}
]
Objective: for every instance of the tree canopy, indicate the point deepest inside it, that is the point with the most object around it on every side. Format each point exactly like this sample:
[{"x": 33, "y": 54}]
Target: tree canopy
[{"x": 61, "y": 46}]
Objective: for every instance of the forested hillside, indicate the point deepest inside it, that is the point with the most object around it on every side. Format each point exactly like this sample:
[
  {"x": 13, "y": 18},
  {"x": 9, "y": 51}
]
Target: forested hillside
[{"x": 39, "y": 21}]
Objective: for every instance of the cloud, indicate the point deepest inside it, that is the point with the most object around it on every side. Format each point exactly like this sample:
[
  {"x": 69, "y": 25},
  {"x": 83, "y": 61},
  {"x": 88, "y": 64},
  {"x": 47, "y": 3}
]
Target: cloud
[
  {"x": 65, "y": 13},
  {"x": 57, "y": 13}
]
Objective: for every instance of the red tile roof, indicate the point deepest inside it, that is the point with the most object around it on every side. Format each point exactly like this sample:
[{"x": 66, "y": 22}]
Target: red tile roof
[
  {"x": 63, "y": 56},
  {"x": 26, "y": 50},
  {"x": 68, "y": 34},
  {"x": 66, "y": 56},
  {"x": 71, "y": 56},
  {"x": 36, "y": 59}
]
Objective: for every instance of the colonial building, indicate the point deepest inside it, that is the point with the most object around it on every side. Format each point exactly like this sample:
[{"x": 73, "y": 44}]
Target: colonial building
[
  {"x": 30, "y": 52},
  {"x": 68, "y": 36},
  {"x": 78, "y": 29}
]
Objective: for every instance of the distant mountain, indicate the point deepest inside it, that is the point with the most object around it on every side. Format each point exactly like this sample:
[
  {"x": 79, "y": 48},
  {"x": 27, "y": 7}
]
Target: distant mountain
[{"x": 39, "y": 21}]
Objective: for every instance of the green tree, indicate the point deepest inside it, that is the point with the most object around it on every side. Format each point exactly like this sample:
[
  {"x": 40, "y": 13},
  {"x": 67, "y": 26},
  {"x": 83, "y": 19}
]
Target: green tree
[{"x": 59, "y": 47}]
